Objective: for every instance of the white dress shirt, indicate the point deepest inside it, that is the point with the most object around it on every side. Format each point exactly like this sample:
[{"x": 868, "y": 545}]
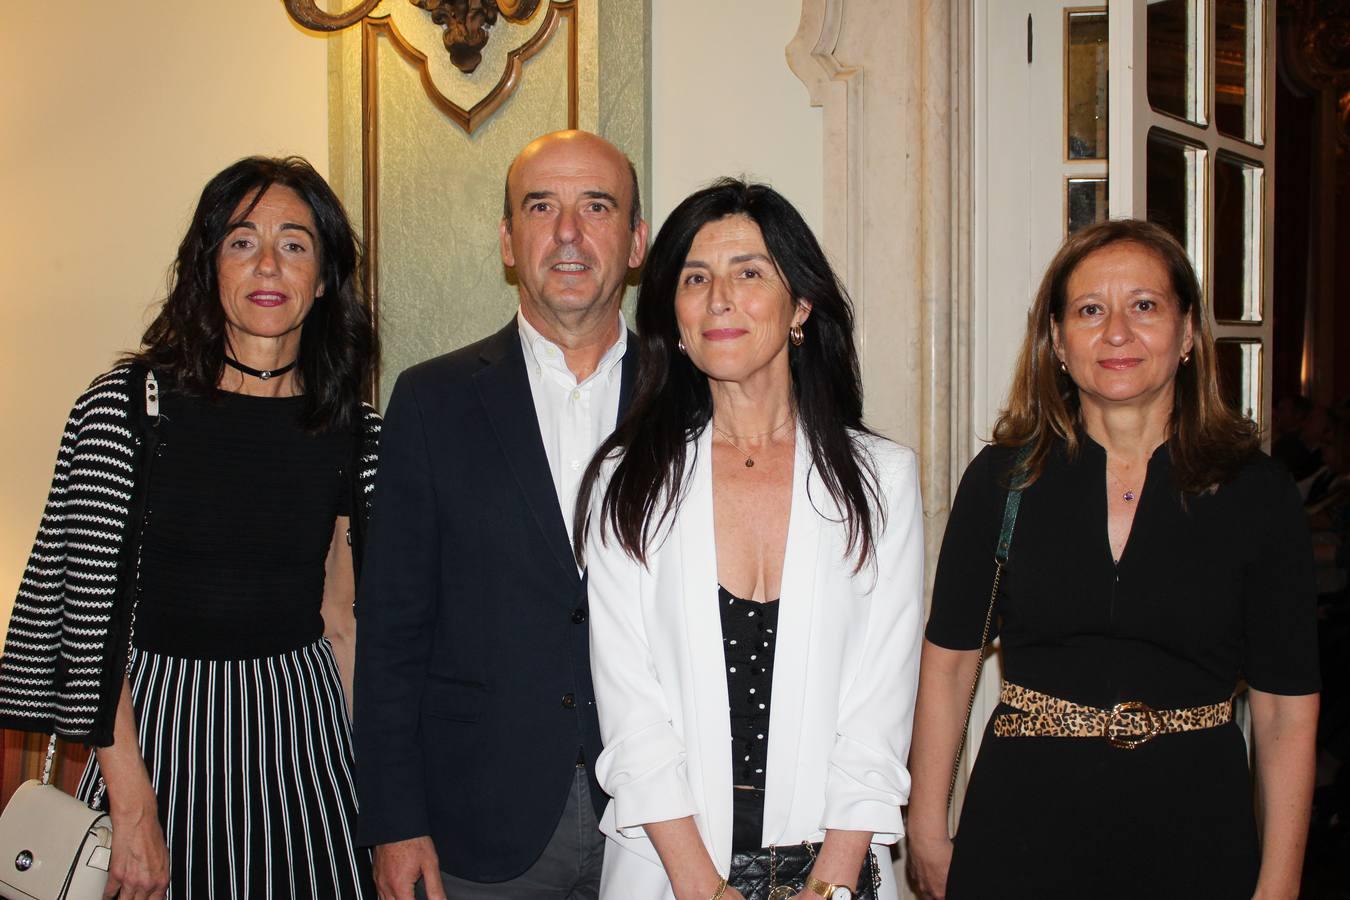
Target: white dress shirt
[{"x": 574, "y": 417}]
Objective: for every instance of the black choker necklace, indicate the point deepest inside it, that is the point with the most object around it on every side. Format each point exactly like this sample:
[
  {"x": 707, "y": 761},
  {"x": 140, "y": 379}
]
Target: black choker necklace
[{"x": 264, "y": 374}]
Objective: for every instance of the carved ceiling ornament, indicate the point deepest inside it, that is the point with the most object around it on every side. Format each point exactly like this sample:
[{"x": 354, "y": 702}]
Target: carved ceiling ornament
[{"x": 468, "y": 24}]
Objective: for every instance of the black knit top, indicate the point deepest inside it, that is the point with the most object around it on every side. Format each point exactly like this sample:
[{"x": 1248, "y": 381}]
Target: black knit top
[{"x": 239, "y": 517}]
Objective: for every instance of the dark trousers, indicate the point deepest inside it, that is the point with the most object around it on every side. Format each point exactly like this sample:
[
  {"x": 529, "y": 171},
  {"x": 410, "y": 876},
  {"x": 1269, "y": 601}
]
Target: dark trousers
[{"x": 568, "y": 869}]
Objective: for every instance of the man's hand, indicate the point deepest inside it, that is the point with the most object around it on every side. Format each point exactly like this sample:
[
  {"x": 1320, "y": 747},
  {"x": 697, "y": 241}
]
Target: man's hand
[{"x": 399, "y": 865}]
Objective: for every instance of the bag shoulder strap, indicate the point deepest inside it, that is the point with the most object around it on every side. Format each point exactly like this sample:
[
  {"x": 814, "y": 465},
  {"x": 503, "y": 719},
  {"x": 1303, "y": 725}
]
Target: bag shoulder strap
[
  {"x": 1010, "y": 507},
  {"x": 1002, "y": 550}
]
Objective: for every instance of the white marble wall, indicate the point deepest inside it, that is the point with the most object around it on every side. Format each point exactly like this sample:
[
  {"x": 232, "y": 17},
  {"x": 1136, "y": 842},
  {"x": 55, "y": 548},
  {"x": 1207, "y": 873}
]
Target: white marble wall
[{"x": 892, "y": 78}]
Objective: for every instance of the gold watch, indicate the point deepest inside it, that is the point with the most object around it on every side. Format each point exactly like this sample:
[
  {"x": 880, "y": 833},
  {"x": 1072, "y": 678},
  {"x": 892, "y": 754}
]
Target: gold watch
[{"x": 828, "y": 891}]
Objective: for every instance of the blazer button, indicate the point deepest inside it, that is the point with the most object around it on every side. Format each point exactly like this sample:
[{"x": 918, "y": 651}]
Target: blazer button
[
  {"x": 569, "y": 701},
  {"x": 578, "y": 616}
]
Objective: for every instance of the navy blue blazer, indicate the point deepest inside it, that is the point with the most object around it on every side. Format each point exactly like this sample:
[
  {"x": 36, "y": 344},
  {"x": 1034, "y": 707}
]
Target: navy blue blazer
[{"x": 473, "y": 688}]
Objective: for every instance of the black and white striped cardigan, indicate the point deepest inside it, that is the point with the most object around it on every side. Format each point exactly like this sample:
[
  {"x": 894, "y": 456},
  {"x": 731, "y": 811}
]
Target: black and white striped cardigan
[{"x": 67, "y": 644}]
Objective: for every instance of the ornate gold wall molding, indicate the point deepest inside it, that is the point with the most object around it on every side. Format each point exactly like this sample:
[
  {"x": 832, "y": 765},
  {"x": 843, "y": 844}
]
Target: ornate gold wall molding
[
  {"x": 307, "y": 14},
  {"x": 469, "y": 119}
]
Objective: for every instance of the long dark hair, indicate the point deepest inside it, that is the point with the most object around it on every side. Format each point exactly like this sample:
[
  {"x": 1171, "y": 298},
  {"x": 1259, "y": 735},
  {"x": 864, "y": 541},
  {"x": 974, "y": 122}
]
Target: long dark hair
[
  {"x": 338, "y": 350},
  {"x": 672, "y": 403},
  {"x": 1208, "y": 442}
]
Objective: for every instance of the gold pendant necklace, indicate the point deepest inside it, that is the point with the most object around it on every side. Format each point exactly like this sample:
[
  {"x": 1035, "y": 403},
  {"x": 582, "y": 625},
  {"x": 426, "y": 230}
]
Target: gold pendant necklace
[{"x": 749, "y": 458}]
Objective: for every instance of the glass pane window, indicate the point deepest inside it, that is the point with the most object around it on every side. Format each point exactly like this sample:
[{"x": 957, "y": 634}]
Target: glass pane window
[
  {"x": 1175, "y": 191},
  {"x": 1238, "y": 51},
  {"x": 1085, "y": 83},
  {"x": 1239, "y": 363},
  {"x": 1236, "y": 266},
  {"x": 1176, "y": 58},
  {"x": 1086, "y": 203}
]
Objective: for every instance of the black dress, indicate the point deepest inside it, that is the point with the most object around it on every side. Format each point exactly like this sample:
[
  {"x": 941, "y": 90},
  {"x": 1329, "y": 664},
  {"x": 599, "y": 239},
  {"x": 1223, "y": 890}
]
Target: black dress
[
  {"x": 243, "y": 723},
  {"x": 1210, "y": 589}
]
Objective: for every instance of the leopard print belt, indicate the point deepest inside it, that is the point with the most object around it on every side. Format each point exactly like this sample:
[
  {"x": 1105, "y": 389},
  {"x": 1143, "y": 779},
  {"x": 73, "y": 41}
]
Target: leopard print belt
[{"x": 1126, "y": 725}]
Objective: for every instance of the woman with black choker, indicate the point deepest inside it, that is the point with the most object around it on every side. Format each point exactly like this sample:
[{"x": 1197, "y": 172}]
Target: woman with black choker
[{"x": 196, "y": 561}]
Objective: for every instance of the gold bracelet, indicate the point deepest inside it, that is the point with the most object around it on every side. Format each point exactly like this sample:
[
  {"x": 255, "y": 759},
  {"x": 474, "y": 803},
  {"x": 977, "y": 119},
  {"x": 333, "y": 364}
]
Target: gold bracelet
[{"x": 721, "y": 889}]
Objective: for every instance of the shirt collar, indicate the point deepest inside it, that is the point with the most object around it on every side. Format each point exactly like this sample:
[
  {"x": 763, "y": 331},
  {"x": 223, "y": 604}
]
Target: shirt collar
[{"x": 541, "y": 354}]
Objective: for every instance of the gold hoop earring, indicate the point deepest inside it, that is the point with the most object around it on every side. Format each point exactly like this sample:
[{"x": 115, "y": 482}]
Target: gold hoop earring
[
  {"x": 795, "y": 335},
  {"x": 1185, "y": 358}
]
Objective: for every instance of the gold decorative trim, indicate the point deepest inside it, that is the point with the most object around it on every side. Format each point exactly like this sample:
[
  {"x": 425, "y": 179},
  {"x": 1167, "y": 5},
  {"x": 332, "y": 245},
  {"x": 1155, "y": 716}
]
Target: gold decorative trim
[
  {"x": 307, "y": 14},
  {"x": 1069, "y": 13},
  {"x": 469, "y": 119}
]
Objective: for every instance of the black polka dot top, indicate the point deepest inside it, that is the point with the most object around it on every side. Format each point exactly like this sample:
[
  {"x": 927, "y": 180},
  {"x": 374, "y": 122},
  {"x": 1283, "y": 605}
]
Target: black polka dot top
[{"x": 749, "y": 631}]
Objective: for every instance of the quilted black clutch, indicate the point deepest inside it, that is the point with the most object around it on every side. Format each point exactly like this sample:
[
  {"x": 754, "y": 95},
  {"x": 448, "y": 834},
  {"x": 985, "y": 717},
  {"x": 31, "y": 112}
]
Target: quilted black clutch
[{"x": 779, "y": 873}]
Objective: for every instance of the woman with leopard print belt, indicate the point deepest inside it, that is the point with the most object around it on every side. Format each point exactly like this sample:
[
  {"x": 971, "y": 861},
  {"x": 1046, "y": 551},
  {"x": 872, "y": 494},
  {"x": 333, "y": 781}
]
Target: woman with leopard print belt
[{"x": 1112, "y": 766}]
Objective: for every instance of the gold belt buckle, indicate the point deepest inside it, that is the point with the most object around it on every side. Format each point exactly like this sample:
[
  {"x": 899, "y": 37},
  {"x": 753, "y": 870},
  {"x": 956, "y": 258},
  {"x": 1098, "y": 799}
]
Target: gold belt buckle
[{"x": 1116, "y": 725}]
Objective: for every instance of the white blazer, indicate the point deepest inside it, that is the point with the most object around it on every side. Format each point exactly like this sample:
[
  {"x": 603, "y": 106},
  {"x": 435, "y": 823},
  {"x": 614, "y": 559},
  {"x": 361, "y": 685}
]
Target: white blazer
[{"x": 845, "y": 674}]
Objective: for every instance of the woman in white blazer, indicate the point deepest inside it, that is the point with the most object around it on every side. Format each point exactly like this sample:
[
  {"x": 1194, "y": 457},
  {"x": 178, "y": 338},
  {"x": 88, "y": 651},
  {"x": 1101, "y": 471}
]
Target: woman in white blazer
[{"x": 755, "y": 569}]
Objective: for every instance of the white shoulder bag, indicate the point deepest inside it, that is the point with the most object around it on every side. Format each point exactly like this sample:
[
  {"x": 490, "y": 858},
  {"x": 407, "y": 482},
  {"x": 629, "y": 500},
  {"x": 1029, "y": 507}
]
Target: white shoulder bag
[{"x": 52, "y": 846}]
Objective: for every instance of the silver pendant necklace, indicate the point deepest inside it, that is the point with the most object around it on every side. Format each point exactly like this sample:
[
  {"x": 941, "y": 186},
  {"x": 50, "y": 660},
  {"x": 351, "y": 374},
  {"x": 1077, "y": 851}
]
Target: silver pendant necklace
[{"x": 1128, "y": 495}]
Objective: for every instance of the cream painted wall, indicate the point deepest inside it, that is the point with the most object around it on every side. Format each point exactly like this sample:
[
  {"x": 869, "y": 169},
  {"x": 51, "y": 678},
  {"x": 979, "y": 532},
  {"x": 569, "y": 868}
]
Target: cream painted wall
[
  {"x": 113, "y": 117},
  {"x": 724, "y": 102}
]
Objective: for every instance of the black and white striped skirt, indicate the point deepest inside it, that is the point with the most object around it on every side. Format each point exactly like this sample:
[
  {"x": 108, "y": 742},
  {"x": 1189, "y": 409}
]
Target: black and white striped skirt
[{"x": 251, "y": 761}]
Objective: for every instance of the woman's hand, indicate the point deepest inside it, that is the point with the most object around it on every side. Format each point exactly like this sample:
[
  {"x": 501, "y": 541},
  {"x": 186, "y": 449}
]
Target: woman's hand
[
  {"x": 139, "y": 868},
  {"x": 939, "y": 717},
  {"x": 929, "y": 859}
]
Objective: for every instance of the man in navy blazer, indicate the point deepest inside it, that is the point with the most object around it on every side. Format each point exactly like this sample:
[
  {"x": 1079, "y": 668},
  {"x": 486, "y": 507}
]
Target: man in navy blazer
[{"x": 474, "y": 712}]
